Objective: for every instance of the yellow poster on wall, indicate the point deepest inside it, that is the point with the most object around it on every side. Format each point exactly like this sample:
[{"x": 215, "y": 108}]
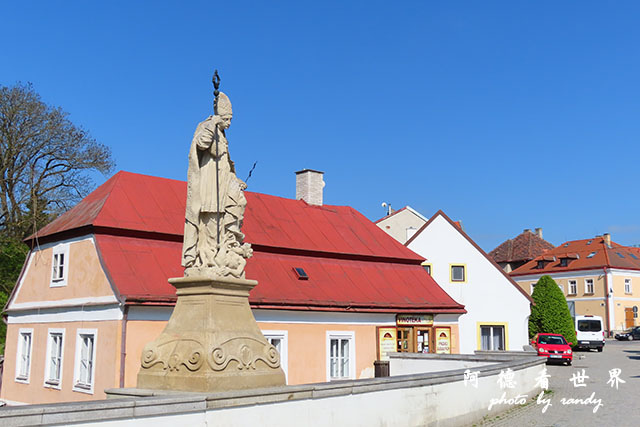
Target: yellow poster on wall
[
  {"x": 386, "y": 342},
  {"x": 443, "y": 340}
]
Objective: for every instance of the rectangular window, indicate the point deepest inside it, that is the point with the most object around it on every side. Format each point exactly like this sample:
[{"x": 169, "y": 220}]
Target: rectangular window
[
  {"x": 341, "y": 355},
  {"x": 561, "y": 287},
  {"x": 588, "y": 286},
  {"x": 60, "y": 265},
  {"x": 573, "y": 287},
  {"x": 532, "y": 287},
  {"x": 492, "y": 337},
  {"x": 627, "y": 286},
  {"x": 458, "y": 273},
  {"x": 427, "y": 267},
  {"x": 53, "y": 369},
  {"x": 85, "y": 360},
  {"x": 279, "y": 339},
  {"x": 23, "y": 359}
]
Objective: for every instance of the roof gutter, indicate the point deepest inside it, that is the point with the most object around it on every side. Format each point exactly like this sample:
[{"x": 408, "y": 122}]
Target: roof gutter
[{"x": 270, "y": 305}]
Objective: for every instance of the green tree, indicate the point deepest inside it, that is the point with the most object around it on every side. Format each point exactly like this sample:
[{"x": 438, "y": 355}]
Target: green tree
[
  {"x": 12, "y": 257},
  {"x": 550, "y": 314}
]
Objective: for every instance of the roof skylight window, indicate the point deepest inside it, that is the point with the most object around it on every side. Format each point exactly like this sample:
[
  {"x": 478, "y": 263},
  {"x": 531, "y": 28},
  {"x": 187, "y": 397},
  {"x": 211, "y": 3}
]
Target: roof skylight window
[
  {"x": 633, "y": 256},
  {"x": 302, "y": 275},
  {"x": 619, "y": 254},
  {"x": 565, "y": 245},
  {"x": 589, "y": 242},
  {"x": 591, "y": 255}
]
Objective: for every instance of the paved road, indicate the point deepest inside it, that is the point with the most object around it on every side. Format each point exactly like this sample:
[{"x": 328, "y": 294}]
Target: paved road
[{"x": 620, "y": 407}]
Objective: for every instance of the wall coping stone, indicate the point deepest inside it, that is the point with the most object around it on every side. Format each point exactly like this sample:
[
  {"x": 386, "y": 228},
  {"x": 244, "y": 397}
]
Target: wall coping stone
[{"x": 131, "y": 403}]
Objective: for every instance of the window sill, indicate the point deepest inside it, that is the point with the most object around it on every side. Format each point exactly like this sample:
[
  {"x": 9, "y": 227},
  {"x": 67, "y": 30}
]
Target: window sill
[
  {"x": 23, "y": 380},
  {"x": 572, "y": 295},
  {"x": 83, "y": 388},
  {"x": 58, "y": 283},
  {"x": 51, "y": 384},
  {"x": 588, "y": 293}
]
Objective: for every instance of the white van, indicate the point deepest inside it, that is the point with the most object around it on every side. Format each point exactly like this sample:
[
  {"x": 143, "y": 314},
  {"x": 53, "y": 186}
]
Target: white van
[{"x": 589, "y": 332}]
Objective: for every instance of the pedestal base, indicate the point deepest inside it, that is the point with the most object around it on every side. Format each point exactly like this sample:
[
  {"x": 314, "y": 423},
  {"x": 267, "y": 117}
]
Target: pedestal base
[{"x": 211, "y": 343}]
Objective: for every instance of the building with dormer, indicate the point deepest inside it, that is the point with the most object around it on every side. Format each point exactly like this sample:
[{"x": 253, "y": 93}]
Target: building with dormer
[{"x": 333, "y": 290}]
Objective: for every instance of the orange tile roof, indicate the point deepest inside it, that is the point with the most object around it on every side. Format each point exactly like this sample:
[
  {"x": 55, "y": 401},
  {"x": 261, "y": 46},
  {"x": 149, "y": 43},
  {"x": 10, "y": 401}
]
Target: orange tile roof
[{"x": 585, "y": 254}]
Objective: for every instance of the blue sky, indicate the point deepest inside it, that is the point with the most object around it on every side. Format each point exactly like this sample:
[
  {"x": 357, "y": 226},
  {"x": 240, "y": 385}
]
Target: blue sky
[{"x": 506, "y": 115}]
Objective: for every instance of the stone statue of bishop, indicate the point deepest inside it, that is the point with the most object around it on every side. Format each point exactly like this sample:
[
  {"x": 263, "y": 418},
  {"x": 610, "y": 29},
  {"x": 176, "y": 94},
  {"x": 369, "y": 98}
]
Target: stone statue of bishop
[{"x": 213, "y": 243}]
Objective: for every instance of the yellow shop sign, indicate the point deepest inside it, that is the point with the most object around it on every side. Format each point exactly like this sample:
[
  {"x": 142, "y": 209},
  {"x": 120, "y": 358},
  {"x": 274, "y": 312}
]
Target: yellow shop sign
[{"x": 414, "y": 319}]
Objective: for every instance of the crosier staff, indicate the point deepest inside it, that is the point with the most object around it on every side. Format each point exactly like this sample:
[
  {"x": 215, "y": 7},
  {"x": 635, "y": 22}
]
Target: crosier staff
[{"x": 216, "y": 85}]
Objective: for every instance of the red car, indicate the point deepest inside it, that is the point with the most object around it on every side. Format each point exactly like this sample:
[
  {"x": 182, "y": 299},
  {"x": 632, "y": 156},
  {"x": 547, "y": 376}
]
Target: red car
[{"x": 553, "y": 347}]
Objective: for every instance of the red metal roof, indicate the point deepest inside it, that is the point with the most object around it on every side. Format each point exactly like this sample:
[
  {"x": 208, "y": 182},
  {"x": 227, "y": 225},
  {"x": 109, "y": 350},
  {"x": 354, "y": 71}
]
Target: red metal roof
[
  {"x": 147, "y": 204},
  {"x": 352, "y": 265},
  {"x": 586, "y": 254}
]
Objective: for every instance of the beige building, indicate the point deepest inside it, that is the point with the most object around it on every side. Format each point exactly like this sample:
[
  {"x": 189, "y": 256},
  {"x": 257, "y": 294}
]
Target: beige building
[
  {"x": 597, "y": 276},
  {"x": 402, "y": 224}
]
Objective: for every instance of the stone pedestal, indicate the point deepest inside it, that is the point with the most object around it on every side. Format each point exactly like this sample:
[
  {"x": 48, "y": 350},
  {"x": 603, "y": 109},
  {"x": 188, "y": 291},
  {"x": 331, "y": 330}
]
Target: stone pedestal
[{"x": 212, "y": 341}]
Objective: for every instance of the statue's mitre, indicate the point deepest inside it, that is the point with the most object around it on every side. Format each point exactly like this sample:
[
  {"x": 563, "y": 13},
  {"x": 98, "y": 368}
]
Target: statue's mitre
[{"x": 223, "y": 106}]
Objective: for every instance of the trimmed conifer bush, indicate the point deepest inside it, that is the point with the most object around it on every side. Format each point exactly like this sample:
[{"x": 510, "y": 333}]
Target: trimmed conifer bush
[{"x": 550, "y": 314}]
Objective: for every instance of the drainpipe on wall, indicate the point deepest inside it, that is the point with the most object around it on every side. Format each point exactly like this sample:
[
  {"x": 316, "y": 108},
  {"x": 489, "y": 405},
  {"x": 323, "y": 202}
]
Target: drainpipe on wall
[
  {"x": 606, "y": 301},
  {"x": 123, "y": 343}
]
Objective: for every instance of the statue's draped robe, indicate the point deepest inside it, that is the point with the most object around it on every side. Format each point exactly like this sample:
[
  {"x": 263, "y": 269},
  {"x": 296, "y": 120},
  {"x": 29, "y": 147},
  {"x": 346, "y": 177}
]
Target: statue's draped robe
[{"x": 208, "y": 195}]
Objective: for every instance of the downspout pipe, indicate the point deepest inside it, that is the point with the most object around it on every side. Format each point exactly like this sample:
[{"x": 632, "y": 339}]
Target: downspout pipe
[
  {"x": 606, "y": 301},
  {"x": 123, "y": 342}
]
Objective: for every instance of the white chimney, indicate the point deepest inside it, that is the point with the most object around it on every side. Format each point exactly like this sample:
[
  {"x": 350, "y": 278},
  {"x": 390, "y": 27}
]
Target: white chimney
[
  {"x": 607, "y": 239},
  {"x": 309, "y": 186},
  {"x": 539, "y": 232}
]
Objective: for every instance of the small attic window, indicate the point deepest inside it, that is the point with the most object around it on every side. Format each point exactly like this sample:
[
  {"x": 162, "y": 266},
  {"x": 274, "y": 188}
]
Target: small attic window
[
  {"x": 591, "y": 255},
  {"x": 540, "y": 264},
  {"x": 589, "y": 242},
  {"x": 564, "y": 262},
  {"x": 302, "y": 275},
  {"x": 565, "y": 245}
]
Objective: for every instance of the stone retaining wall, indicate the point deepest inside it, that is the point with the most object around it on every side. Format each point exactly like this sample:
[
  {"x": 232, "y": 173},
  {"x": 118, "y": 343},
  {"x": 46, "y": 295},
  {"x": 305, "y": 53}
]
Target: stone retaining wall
[{"x": 417, "y": 399}]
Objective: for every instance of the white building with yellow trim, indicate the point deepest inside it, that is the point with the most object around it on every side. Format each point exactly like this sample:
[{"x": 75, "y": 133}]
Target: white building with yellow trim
[{"x": 497, "y": 308}]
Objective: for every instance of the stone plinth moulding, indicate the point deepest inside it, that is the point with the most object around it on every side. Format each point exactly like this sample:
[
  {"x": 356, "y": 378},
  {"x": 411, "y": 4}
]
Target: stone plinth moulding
[{"x": 211, "y": 342}]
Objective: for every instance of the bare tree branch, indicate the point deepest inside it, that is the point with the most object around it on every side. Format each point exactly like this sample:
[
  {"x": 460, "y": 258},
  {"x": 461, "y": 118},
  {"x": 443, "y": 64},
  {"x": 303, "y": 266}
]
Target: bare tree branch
[{"x": 44, "y": 160}]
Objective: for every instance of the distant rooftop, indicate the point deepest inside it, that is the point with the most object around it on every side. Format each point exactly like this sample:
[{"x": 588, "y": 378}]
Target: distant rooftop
[{"x": 524, "y": 247}]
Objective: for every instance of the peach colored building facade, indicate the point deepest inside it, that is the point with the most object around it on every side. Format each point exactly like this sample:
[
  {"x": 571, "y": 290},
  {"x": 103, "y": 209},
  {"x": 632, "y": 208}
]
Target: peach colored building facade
[
  {"x": 94, "y": 291},
  {"x": 83, "y": 301}
]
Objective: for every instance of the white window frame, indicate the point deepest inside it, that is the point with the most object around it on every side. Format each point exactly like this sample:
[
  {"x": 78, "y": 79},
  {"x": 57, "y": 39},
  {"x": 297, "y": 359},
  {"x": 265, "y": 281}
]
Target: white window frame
[
  {"x": 79, "y": 386},
  {"x": 504, "y": 337},
  {"x": 20, "y": 378},
  {"x": 561, "y": 287},
  {"x": 464, "y": 273},
  {"x": 283, "y": 336},
  {"x": 588, "y": 283},
  {"x": 572, "y": 287},
  {"x": 627, "y": 286},
  {"x": 56, "y": 279},
  {"x": 532, "y": 287},
  {"x": 48, "y": 381},
  {"x": 342, "y": 335}
]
